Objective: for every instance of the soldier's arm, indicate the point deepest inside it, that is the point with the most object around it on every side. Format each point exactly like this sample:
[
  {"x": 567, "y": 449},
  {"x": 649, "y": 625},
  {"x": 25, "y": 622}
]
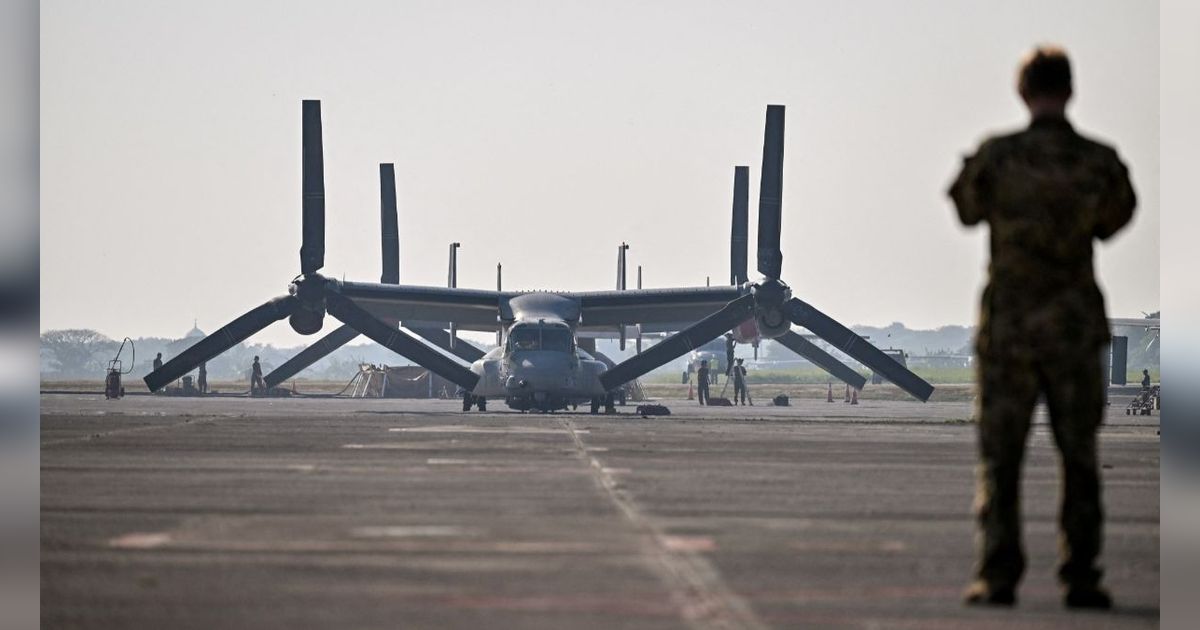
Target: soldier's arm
[
  {"x": 1116, "y": 209},
  {"x": 971, "y": 191}
]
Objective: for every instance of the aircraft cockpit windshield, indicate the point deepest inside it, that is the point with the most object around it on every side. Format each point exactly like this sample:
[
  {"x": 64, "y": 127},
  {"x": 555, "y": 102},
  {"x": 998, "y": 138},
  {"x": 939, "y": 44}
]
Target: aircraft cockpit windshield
[{"x": 540, "y": 336}]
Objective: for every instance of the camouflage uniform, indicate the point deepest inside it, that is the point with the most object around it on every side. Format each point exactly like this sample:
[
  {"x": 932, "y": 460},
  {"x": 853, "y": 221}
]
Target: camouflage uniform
[{"x": 1046, "y": 193}]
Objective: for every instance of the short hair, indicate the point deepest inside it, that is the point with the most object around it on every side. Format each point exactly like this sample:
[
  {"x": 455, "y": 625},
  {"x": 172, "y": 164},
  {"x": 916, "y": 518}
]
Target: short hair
[{"x": 1045, "y": 71}]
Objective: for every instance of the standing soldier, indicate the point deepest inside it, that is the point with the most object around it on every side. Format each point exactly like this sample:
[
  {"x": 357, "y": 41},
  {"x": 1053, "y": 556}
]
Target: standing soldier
[
  {"x": 202, "y": 379},
  {"x": 1145, "y": 379},
  {"x": 702, "y": 383},
  {"x": 1046, "y": 193},
  {"x": 158, "y": 361},
  {"x": 739, "y": 382},
  {"x": 256, "y": 377}
]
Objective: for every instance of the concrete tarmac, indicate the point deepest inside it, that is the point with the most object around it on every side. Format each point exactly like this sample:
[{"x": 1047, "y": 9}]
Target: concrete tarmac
[{"x": 317, "y": 513}]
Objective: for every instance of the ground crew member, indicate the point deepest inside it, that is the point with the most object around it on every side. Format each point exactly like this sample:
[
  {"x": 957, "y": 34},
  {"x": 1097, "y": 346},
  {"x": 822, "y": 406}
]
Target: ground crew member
[
  {"x": 158, "y": 361},
  {"x": 1145, "y": 379},
  {"x": 702, "y": 383},
  {"x": 1046, "y": 193},
  {"x": 202, "y": 379},
  {"x": 739, "y": 382},
  {"x": 256, "y": 377}
]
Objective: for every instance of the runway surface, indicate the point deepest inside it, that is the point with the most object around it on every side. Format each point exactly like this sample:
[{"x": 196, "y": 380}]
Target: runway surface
[{"x": 317, "y": 513}]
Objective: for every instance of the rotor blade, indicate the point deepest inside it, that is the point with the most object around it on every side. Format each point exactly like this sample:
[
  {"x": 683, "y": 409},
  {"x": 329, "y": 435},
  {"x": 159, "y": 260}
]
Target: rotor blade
[
  {"x": 844, "y": 339},
  {"x": 441, "y": 339},
  {"x": 399, "y": 341},
  {"x": 820, "y": 358},
  {"x": 310, "y": 355},
  {"x": 739, "y": 235},
  {"x": 676, "y": 345},
  {"x": 227, "y": 337},
  {"x": 312, "y": 248},
  {"x": 770, "y": 195},
  {"x": 390, "y": 228}
]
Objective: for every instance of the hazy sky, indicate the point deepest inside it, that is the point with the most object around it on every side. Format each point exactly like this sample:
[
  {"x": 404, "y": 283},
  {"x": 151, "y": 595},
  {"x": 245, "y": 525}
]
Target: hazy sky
[{"x": 542, "y": 134}]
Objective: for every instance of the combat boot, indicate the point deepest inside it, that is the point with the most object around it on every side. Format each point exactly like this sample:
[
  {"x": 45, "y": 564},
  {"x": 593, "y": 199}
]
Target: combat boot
[
  {"x": 980, "y": 593},
  {"x": 1090, "y": 596}
]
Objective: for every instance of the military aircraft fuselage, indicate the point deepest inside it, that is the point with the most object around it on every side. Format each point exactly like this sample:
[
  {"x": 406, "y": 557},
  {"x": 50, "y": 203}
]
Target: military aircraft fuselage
[{"x": 540, "y": 367}]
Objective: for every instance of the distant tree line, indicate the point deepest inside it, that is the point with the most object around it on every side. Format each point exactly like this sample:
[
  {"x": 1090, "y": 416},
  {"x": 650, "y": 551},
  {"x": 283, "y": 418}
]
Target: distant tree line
[{"x": 84, "y": 354}]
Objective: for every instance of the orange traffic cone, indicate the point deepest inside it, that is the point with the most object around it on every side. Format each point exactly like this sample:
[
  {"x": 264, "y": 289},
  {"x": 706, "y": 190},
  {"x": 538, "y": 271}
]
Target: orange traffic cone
[
  {"x": 847, "y": 393},
  {"x": 854, "y": 398},
  {"x": 691, "y": 392},
  {"x": 829, "y": 397}
]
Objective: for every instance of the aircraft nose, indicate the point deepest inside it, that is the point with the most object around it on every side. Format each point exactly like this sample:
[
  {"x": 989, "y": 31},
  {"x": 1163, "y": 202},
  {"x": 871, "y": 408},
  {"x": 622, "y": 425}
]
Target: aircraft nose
[{"x": 541, "y": 371}]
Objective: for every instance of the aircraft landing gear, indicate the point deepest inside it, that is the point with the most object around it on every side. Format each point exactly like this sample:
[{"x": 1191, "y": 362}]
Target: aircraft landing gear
[
  {"x": 595, "y": 405},
  {"x": 478, "y": 402}
]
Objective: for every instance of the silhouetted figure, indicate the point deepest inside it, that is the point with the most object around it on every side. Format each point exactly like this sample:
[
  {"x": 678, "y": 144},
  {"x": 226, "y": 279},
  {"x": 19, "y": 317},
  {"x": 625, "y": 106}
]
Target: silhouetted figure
[
  {"x": 1145, "y": 379},
  {"x": 158, "y": 361},
  {"x": 202, "y": 379},
  {"x": 256, "y": 377},
  {"x": 1046, "y": 193},
  {"x": 739, "y": 382},
  {"x": 702, "y": 383}
]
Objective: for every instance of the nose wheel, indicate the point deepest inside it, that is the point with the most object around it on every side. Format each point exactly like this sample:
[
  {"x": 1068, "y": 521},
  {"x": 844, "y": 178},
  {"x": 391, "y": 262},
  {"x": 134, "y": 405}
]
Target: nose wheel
[{"x": 479, "y": 402}]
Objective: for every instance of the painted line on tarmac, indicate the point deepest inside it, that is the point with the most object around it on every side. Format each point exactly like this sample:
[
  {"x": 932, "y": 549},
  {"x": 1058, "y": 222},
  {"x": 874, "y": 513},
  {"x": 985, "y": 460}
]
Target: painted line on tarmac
[
  {"x": 140, "y": 540},
  {"x": 466, "y": 429},
  {"x": 696, "y": 587}
]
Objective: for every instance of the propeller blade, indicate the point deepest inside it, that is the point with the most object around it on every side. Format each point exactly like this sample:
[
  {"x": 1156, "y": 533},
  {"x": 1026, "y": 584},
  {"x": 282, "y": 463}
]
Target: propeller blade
[
  {"x": 312, "y": 248},
  {"x": 621, "y": 285},
  {"x": 639, "y": 326},
  {"x": 398, "y": 341},
  {"x": 844, "y": 339},
  {"x": 677, "y": 345},
  {"x": 770, "y": 195},
  {"x": 820, "y": 358},
  {"x": 388, "y": 221},
  {"x": 227, "y": 337},
  {"x": 340, "y": 336},
  {"x": 499, "y": 288},
  {"x": 739, "y": 234},
  {"x": 441, "y": 339}
]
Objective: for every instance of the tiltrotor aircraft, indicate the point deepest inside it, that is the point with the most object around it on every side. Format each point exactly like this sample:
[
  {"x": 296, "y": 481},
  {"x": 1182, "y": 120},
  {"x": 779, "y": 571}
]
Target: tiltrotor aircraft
[{"x": 539, "y": 364}]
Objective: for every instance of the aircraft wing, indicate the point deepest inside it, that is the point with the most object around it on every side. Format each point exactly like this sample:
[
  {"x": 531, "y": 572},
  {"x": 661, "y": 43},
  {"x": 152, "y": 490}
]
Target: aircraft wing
[
  {"x": 471, "y": 309},
  {"x": 652, "y": 306},
  {"x": 1133, "y": 322}
]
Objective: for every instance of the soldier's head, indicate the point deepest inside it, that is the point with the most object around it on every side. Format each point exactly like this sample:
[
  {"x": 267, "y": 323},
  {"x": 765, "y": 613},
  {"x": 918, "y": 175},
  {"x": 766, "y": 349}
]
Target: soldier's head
[
  {"x": 704, "y": 364},
  {"x": 256, "y": 358},
  {"x": 1044, "y": 80},
  {"x": 739, "y": 361},
  {"x": 158, "y": 356}
]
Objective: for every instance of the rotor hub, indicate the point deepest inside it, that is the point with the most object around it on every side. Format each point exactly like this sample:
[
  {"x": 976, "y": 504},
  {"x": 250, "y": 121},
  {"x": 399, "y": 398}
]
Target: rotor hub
[{"x": 309, "y": 316}]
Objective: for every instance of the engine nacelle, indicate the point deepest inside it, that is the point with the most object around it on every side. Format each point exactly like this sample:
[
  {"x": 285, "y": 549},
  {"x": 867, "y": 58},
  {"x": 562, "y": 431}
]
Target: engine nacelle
[
  {"x": 772, "y": 322},
  {"x": 310, "y": 312},
  {"x": 306, "y": 321}
]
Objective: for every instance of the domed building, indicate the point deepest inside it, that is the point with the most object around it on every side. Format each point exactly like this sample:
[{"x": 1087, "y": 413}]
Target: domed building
[{"x": 189, "y": 338}]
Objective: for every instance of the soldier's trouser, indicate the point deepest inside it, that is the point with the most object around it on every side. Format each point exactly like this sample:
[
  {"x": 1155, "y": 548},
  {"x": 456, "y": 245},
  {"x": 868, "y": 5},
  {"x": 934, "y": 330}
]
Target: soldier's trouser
[
  {"x": 702, "y": 391},
  {"x": 739, "y": 389},
  {"x": 1008, "y": 392}
]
